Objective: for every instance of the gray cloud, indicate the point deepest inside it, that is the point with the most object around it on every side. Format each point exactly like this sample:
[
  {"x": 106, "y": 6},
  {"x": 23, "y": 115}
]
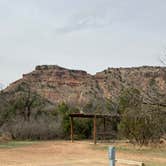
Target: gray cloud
[
  {"x": 81, "y": 24},
  {"x": 86, "y": 20}
]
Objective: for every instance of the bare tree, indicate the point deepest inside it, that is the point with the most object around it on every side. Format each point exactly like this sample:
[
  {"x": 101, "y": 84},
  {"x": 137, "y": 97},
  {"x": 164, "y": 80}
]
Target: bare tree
[
  {"x": 27, "y": 100},
  {"x": 163, "y": 59}
]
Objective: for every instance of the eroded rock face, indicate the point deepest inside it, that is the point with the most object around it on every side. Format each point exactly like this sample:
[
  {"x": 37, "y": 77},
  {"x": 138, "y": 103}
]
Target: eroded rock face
[
  {"x": 146, "y": 79},
  {"x": 77, "y": 87},
  {"x": 58, "y": 84}
]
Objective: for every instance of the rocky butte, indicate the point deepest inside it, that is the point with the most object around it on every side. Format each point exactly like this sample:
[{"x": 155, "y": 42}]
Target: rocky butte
[{"x": 77, "y": 87}]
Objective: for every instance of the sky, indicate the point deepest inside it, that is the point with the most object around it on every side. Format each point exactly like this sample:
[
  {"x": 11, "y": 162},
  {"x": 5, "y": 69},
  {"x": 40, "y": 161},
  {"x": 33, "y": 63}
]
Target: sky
[{"x": 90, "y": 35}]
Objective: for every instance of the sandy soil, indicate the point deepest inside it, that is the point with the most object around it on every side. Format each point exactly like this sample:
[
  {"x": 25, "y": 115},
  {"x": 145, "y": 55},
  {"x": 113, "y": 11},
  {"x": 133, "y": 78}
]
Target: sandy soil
[{"x": 61, "y": 153}]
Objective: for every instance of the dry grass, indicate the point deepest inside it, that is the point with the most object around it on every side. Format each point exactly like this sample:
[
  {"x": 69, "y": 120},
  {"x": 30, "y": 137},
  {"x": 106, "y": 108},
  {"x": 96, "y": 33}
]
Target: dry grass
[
  {"x": 65, "y": 153},
  {"x": 5, "y": 138}
]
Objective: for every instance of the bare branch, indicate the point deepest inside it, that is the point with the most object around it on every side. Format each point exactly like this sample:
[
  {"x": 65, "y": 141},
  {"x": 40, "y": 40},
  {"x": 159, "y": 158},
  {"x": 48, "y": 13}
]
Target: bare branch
[{"x": 163, "y": 59}]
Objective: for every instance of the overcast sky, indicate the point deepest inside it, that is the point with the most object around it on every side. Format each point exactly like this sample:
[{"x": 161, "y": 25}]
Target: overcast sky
[{"x": 91, "y": 35}]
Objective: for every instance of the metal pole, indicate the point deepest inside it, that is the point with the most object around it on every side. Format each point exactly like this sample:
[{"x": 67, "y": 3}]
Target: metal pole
[{"x": 111, "y": 155}]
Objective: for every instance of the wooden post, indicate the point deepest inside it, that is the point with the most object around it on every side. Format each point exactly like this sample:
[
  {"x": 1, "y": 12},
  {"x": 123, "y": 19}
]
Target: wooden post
[
  {"x": 71, "y": 129},
  {"x": 94, "y": 129},
  {"x": 111, "y": 156},
  {"x": 104, "y": 128},
  {"x": 130, "y": 162}
]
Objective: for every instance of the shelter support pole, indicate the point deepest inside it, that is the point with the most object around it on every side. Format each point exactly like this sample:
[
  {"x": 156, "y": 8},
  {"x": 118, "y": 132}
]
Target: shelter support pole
[
  {"x": 94, "y": 129},
  {"x": 71, "y": 129},
  {"x": 104, "y": 128}
]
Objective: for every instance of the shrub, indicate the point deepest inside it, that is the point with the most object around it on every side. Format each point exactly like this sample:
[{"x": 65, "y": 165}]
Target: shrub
[
  {"x": 141, "y": 124},
  {"x": 5, "y": 137},
  {"x": 43, "y": 128},
  {"x": 142, "y": 127}
]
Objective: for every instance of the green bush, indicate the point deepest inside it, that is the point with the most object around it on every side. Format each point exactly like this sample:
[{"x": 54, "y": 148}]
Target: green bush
[
  {"x": 82, "y": 127},
  {"x": 141, "y": 124}
]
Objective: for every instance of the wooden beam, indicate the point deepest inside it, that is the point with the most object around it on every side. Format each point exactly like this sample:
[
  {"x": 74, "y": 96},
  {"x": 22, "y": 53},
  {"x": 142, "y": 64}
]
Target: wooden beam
[
  {"x": 80, "y": 115},
  {"x": 71, "y": 129},
  {"x": 94, "y": 129},
  {"x": 130, "y": 162}
]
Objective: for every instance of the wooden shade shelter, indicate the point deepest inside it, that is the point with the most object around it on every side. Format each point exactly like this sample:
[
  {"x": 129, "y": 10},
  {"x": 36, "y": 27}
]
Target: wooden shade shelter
[{"x": 90, "y": 116}]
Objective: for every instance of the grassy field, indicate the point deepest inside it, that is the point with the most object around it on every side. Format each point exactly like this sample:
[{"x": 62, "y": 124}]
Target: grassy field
[{"x": 79, "y": 153}]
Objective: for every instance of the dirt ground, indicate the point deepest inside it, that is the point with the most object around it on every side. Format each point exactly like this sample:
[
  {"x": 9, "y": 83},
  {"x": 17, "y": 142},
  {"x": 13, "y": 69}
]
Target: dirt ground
[{"x": 63, "y": 153}]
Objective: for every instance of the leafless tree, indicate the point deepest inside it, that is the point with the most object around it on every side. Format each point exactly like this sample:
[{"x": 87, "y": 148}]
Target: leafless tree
[
  {"x": 27, "y": 100},
  {"x": 163, "y": 59}
]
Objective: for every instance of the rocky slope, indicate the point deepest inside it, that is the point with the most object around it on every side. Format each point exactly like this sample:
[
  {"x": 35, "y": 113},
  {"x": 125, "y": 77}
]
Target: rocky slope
[{"x": 77, "y": 87}]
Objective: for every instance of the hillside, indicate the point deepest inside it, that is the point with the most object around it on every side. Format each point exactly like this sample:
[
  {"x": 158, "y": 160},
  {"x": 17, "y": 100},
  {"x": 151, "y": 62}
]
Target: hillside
[{"x": 77, "y": 87}]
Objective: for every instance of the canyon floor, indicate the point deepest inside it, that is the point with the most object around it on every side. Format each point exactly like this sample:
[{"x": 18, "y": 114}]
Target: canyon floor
[{"x": 79, "y": 153}]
